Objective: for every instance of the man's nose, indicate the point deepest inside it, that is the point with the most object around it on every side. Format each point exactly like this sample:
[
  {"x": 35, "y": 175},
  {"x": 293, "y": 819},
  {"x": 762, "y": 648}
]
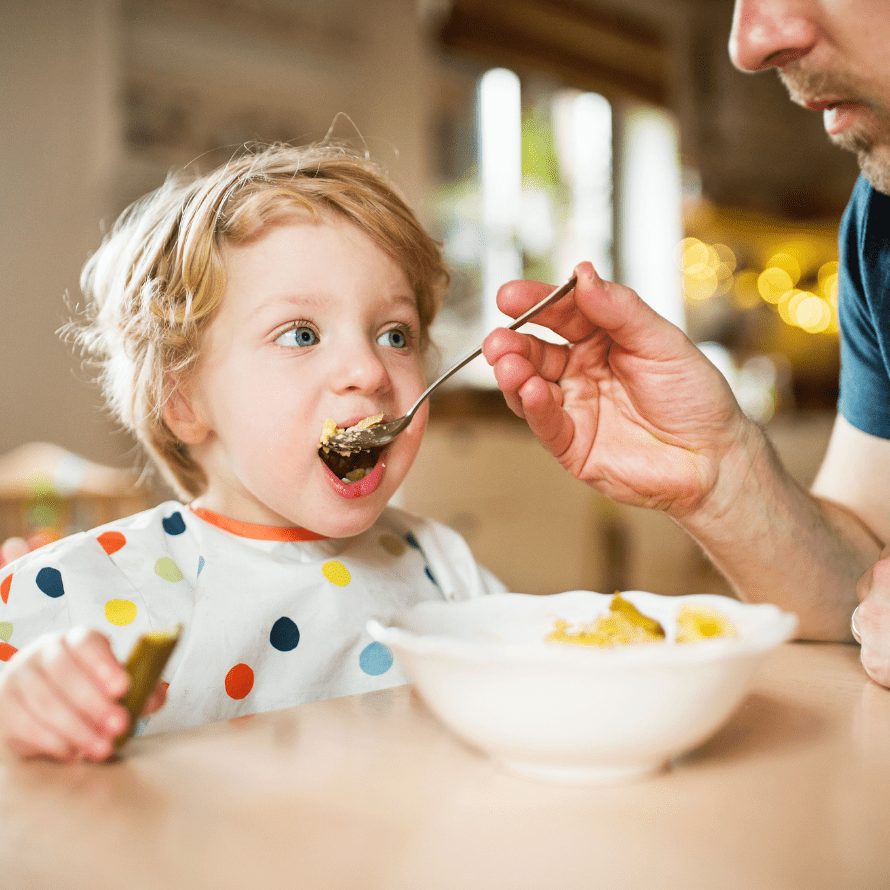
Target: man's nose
[{"x": 771, "y": 33}]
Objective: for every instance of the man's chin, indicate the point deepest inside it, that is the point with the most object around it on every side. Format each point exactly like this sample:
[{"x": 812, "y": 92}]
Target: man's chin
[
  {"x": 872, "y": 155},
  {"x": 875, "y": 167}
]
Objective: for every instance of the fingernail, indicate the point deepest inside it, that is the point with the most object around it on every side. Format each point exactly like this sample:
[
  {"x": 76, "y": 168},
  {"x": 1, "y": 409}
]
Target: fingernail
[
  {"x": 116, "y": 722},
  {"x": 100, "y": 749}
]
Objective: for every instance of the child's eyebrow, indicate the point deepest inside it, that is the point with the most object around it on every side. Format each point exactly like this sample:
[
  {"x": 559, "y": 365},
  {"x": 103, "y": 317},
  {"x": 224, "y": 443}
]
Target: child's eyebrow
[
  {"x": 405, "y": 299},
  {"x": 309, "y": 301},
  {"x": 301, "y": 302}
]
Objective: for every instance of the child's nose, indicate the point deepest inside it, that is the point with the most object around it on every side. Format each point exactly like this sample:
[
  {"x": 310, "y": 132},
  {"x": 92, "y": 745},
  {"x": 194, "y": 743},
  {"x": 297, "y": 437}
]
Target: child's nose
[
  {"x": 360, "y": 368},
  {"x": 771, "y": 33}
]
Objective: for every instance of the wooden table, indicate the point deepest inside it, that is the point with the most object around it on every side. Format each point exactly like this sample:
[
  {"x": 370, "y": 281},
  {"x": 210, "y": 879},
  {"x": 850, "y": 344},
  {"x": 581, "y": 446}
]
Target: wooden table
[{"x": 371, "y": 792}]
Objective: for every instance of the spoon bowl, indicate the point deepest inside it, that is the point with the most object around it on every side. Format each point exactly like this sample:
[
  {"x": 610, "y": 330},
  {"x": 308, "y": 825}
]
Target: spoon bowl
[{"x": 380, "y": 434}]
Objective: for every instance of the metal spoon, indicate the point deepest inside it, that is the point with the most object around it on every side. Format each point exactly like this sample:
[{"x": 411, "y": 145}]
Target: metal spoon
[{"x": 349, "y": 441}]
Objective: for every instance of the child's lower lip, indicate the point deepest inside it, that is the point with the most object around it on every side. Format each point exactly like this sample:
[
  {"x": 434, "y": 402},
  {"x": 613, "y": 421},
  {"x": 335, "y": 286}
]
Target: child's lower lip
[{"x": 359, "y": 489}]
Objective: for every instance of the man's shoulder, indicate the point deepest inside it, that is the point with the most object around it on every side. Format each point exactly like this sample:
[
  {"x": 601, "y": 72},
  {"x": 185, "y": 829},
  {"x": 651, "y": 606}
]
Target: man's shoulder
[{"x": 867, "y": 205}]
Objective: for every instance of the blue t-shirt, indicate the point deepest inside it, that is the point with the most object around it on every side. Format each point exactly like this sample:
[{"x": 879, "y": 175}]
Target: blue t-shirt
[{"x": 864, "y": 311}]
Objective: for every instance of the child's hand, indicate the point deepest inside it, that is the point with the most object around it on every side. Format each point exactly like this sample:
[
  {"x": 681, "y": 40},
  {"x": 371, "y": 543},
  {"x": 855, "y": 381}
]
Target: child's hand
[{"x": 59, "y": 698}]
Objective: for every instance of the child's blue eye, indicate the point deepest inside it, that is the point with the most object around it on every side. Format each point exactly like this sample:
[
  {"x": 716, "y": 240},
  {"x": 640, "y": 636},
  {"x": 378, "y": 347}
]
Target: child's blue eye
[
  {"x": 397, "y": 338},
  {"x": 301, "y": 335}
]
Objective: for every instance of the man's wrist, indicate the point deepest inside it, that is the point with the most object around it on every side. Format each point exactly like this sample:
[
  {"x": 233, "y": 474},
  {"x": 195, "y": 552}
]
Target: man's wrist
[{"x": 749, "y": 480}]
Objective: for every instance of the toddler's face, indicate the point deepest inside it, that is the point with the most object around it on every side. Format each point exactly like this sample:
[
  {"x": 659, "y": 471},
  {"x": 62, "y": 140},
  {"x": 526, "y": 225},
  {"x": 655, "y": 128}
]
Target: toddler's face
[{"x": 317, "y": 323}]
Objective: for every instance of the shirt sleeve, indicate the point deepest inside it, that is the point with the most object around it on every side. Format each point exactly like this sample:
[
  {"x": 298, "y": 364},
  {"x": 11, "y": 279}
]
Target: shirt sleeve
[
  {"x": 70, "y": 583},
  {"x": 864, "y": 311}
]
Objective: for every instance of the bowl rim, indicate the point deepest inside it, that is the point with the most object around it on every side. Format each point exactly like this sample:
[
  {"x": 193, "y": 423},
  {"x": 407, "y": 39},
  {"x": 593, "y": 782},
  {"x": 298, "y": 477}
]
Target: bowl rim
[{"x": 776, "y": 627}]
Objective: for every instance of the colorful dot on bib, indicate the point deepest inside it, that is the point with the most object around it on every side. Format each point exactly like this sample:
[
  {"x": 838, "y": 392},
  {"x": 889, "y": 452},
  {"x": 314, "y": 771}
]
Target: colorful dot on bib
[
  {"x": 336, "y": 573},
  {"x": 239, "y": 681},
  {"x": 168, "y": 570},
  {"x": 120, "y": 612},
  {"x": 5, "y": 631},
  {"x": 5, "y": 584},
  {"x": 111, "y": 542},
  {"x": 174, "y": 524},
  {"x": 285, "y": 635},
  {"x": 50, "y": 582},
  {"x": 200, "y": 564},
  {"x": 392, "y": 545},
  {"x": 7, "y": 651},
  {"x": 375, "y": 659}
]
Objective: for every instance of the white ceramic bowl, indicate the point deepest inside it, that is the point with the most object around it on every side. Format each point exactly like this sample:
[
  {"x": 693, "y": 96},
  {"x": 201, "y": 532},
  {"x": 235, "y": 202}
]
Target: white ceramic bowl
[{"x": 578, "y": 713}]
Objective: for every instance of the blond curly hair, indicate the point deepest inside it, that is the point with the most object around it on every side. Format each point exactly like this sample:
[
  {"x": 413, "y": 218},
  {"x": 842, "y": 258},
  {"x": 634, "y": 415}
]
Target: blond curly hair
[{"x": 158, "y": 279}]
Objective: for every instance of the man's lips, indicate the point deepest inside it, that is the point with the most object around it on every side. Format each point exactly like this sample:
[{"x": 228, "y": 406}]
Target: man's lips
[{"x": 837, "y": 114}]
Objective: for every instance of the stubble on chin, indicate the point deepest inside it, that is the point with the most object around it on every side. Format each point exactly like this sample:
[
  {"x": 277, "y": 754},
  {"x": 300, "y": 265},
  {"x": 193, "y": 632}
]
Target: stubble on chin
[{"x": 869, "y": 141}]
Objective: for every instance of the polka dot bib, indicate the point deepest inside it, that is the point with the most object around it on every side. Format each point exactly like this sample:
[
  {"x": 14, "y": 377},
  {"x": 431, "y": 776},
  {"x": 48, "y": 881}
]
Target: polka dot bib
[{"x": 272, "y": 617}]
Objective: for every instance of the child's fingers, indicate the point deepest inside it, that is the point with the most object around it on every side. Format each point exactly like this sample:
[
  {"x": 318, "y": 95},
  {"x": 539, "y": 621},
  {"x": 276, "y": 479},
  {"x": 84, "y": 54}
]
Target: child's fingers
[
  {"x": 93, "y": 652},
  {"x": 156, "y": 699},
  {"x": 39, "y": 720},
  {"x": 26, "y": 735},
  {"x": 59, "y": 697},
  {"x": 81, "y": 666}
]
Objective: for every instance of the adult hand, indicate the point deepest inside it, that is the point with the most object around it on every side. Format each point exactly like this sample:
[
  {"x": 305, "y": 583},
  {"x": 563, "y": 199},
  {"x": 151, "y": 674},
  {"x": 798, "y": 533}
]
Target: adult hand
[
  {"x": 628, "y": 405},
  {"x": 59, "y": 698},
  {"x": 873, "y": 619}
]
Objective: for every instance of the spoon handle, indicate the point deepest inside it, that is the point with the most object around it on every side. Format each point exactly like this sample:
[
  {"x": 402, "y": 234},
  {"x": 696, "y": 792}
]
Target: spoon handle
[{"x": 551, "y": 298}]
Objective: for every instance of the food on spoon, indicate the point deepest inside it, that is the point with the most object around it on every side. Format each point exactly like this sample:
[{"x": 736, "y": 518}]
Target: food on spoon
[
  {"x": 623, "y": 624},
  {"x": 696, "y": 623},
  {"x": 348, "y": 464}
]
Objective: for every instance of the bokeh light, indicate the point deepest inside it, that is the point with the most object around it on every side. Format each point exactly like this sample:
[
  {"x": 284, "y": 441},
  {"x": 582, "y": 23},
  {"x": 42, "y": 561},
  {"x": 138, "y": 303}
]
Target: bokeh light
[
  {"x": 804, "y": 297},
  {"x": 773, "y": 283},
  {"x": 707, "y": 269}
]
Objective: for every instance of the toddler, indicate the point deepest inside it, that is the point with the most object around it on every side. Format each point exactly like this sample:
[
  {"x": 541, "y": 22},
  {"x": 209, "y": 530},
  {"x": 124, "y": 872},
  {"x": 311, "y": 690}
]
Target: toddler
[{"x": 233, "y": 315}]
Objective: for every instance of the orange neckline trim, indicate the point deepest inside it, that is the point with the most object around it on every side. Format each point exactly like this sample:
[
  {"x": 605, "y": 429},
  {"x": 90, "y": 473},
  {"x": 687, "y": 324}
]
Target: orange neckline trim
[{"x": 258, "y": 532}]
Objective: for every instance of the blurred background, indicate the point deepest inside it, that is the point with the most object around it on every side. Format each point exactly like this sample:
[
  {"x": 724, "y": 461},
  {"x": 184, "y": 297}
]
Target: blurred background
[{"x": 529, "y": 134}]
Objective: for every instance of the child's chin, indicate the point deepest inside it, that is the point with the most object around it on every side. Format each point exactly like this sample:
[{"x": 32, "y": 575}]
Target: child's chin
[{"x": 348, "y": 525}]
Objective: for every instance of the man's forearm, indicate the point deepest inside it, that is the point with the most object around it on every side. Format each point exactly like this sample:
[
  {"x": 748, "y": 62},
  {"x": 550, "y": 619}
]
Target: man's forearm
[{"x": 775, "y": 542}]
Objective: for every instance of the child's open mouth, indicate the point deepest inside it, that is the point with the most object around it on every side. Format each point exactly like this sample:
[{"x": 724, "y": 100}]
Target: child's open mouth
[{"x": 349, "y": 466}]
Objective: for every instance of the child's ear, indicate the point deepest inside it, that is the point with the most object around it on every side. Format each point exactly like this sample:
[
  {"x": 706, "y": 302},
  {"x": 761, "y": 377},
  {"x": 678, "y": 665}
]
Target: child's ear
[{"x": 181, "y": 417}]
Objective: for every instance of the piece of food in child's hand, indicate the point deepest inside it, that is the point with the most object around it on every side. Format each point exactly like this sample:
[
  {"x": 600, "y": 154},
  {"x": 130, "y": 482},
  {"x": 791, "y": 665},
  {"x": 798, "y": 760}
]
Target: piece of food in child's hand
[
  {"x": 696, "y": 623},
  {"x": 348, "y": 464},
  {"x": 624, "y": 624},
  {"x": 146, "y": 662}
]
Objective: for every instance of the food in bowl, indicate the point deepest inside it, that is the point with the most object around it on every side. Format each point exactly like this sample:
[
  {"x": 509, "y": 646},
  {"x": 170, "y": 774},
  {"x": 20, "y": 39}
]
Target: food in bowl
[
  {"x": 626, "y": 625},
  {"x": 578, "y": 713},
  {"x": 697, "y": 623}
]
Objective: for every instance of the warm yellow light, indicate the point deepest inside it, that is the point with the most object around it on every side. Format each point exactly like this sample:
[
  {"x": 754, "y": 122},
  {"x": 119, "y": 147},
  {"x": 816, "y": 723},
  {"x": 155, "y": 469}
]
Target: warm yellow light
[
  {"x": 699, "y": 281},
  {"x": 788, "y": 264},
  {"x": 724, "y": 285},
  {"x": 829, "y": 287},
  {"x": 787, "y": 306},
  {"x": 827, "y": 270},
  {"x": 726, "y": 256},
  {"x": 745, "y": 293},
  {"x": 803, "y": 309},
  {"x": 773, "y": 283},
  {"x": 812, "y": 314},
  {"x": 694, "y": 254}
]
